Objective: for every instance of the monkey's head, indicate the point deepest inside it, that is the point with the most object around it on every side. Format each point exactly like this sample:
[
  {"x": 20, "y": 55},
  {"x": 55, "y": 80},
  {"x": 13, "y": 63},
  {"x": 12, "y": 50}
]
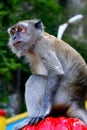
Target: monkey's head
[{"x": 24, "y": 35}]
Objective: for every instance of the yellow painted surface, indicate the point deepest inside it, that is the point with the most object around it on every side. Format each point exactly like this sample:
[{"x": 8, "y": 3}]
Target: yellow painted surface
[
  {"x": 86, "y": 105},
  {"x": 16, "y": 118},
  {"x": 2, "y": 123}
]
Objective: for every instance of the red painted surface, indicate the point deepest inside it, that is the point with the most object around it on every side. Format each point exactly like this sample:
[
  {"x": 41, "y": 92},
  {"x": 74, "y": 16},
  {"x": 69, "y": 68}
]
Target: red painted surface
[
  {"x": 2, "y": 112},
  {"x": 60, "y": 123}
]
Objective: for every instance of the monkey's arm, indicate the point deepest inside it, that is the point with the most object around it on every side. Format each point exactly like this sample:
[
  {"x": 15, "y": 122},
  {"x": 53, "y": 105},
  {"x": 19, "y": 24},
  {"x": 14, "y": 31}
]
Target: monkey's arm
[{"x": 55, "y": 71}]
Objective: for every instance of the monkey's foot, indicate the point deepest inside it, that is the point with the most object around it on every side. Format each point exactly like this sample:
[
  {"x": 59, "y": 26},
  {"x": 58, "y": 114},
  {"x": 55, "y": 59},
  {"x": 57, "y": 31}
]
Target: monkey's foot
[
  {"x": 36, "y": 120},
  {"x": 22, "y": 124},
  {"x": 30, "y": 120}
]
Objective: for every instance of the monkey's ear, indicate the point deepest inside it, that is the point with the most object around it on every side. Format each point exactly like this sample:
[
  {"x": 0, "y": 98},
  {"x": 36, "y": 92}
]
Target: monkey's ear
[
  {"x": 38, "y": 25},
  {"x": 8, "y": 31}
]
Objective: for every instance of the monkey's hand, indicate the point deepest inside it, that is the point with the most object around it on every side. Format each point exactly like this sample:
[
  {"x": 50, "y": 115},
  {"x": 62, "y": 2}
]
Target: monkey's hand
[
  {"x": 36, "y": 120},
  {"x": 30, "y": 121},
  {"x": 22, "y": 124}
]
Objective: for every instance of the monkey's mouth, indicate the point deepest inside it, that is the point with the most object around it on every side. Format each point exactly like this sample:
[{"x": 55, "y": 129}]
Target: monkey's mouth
[{"x": 17, "y": 44}]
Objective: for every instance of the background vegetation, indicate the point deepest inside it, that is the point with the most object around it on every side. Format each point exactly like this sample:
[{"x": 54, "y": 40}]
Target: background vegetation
[{"x": 13, "y": 71}]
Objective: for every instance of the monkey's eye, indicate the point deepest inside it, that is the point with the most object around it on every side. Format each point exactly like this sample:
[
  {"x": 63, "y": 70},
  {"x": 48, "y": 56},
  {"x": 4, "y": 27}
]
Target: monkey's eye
[
  {"x": 12, "y": 31},
  {"x": 22, "y": 29},
  {"x": 17, "y": 29}
]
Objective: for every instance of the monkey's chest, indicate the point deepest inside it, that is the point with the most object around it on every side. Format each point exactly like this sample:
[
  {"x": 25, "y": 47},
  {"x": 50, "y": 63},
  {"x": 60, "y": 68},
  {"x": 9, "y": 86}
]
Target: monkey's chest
[{"x": 39, "y": 68}]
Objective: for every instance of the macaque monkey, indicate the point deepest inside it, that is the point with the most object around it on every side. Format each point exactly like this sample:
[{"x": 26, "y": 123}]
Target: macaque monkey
[{"x": 58, "y": 83}]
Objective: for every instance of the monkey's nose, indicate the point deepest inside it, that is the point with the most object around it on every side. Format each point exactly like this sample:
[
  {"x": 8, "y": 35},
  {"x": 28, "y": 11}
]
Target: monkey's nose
[{"x": 15, "y": 36}]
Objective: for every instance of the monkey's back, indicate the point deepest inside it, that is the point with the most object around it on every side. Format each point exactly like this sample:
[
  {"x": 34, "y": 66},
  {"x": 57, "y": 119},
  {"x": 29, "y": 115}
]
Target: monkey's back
[
  {"x": 74, "y": 66},
  {"x": 75, "y": 70},
  {"x": 72, "y": 62}
]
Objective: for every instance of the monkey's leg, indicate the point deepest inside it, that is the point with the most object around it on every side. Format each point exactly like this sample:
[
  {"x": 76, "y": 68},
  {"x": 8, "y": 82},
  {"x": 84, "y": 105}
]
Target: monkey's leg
[
  {"x": 75, "y": 111},
  {"x": 42, "y": 91},
  {"x": 34, "y": 92}
]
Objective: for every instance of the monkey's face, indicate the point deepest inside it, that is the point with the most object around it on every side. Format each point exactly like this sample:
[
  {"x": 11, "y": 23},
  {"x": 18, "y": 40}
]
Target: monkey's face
[{"x": 23, "y": 36}]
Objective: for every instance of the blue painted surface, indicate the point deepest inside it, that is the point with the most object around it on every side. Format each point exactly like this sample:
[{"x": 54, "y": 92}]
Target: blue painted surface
[{"x": 10, "y": 126}]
